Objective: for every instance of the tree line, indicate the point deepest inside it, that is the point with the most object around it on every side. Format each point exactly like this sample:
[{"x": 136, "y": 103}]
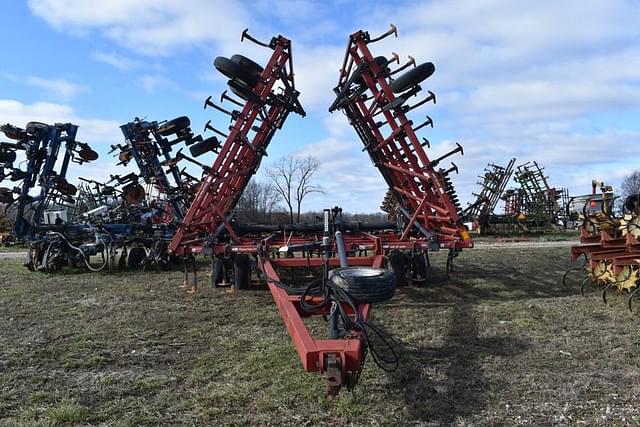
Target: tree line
[{"x": 279, "y": 199}]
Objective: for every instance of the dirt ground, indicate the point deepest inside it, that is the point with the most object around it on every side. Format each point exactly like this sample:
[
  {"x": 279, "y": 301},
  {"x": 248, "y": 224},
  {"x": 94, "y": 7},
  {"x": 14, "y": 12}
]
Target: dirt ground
[{"x": 502, "y": 343}]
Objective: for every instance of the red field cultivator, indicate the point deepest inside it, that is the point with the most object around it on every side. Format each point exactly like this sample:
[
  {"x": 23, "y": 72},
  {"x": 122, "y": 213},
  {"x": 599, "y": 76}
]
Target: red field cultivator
[{"x": 355, "y": 264}]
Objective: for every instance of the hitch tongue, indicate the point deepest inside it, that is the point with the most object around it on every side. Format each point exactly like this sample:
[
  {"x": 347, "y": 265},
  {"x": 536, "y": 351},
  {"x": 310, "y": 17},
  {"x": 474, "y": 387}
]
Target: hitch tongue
[{"x": 333, "y": 373}]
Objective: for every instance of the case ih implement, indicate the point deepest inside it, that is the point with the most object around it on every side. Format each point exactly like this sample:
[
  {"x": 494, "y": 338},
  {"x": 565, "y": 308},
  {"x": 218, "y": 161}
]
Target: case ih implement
[{"x": 269, "y": 95}]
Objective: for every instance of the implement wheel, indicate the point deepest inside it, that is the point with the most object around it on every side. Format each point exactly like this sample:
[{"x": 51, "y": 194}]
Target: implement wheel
[
  {"x": 136, "y": 258},
  {"x": 174, "y": 126},
  {"x": 242, "y": 271},
  {"x": 412, "y": 77},
  {"x": 235, "y": 71},
  {"x": 248, "y": 64},
  {"x": 397, "y": 264},
  {"x": 365, "y": 284},
  {"x": 216, "y": 271}
]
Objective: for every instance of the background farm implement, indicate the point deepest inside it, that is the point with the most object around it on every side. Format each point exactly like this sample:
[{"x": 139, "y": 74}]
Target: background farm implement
[{"x": 609, "y": 245}]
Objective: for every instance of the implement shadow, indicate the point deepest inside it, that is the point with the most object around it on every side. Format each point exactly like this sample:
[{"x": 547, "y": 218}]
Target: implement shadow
[{"x": 463, "y": 389}]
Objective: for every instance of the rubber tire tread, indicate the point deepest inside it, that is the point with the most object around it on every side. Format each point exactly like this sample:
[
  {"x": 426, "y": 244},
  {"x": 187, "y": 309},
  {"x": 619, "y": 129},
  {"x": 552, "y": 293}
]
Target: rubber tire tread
[
  {"x": 365, "y": 289},
  {"x": 216, "y": 272},
  {"x": 397, "y": 263},
  {"x": 135, "y": 258},
  {"x": 248, "y": 64},
  {"x": 242, "y": 271},
  {"x": 175, "y": 125}
]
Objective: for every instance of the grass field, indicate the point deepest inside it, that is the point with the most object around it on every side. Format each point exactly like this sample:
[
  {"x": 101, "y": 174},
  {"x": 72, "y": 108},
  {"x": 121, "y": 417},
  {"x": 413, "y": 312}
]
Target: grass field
[{"x": 503, "y": 343}]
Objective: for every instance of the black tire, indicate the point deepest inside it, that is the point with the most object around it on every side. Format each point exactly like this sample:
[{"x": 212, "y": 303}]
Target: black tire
[
  {"x": 248, "y": 64},
  {"x": 240, "y": 90},
  {"x": 412, "y": 77},
  {"x": 241, "y": 271},
  {"x": 136, "y": 258},
  {"x": 7, "y": 157},
  {"x": 13, "y": 132},
  {"x": 419, "y": 266},
  {"x": 174, "y": 126},
  {"x": 216, "y": 271},
  {"x": 235, "y": 71},
  {"x": 205, "y": 146},
  {"x": 397, "y": 264},
  {"x": 381, "y": 61},
  {"x": 37, "y": 127},
  {"x": 365, "y": 284}
]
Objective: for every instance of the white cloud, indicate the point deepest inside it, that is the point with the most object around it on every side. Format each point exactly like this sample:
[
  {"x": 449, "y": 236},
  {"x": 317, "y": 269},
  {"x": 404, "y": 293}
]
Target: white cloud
[
  {"x": 151, "y": 82},
  {"x": 57, "y": 87},
  {"x": 152, "y": 27},
  {"x": 120, "y": 62},
  {"x": 99, "y": 133},
  {"x": 511, "y": 80}
]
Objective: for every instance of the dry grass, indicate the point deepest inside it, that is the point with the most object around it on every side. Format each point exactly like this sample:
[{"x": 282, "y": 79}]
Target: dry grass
[{"x": 503, "y": 343}]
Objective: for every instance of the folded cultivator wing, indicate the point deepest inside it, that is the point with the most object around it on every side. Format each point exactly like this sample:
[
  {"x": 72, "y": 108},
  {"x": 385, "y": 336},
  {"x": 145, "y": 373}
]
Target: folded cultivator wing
[
  {"x": 375, "y": 99},
  {"x": 267, "y": 96}
]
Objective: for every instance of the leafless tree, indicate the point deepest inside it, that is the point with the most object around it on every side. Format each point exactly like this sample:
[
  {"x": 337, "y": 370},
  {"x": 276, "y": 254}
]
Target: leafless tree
[
  {"x": 292, "y": 178},
  {"x": 631, "y": 184},
  {"x": 257, "y": 203}
]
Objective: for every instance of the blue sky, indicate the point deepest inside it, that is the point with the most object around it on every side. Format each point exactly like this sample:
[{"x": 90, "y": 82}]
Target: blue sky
[{"x": 556, "y": 82}]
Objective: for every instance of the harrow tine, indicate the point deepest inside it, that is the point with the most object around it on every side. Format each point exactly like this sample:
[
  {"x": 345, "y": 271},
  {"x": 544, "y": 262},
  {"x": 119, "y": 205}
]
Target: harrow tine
[
  {"x": 582, "y": 285},
  {"x": 208, "y": 126},
  {"x": 631, "y": 298},
  {"x": 428, "y": 122},
  {"x": 458, "y": 149},
  {"x": 604, "y": 292},
  {"x": 566, "y": 274},
  {"x": 430, "y": 98},
  {"x": 233, "y": 114}
]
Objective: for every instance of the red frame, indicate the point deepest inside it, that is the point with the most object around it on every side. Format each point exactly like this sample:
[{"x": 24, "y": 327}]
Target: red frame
[
  {"x": 239, "y": 156},
  {"x": 399, "y": 155}
]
